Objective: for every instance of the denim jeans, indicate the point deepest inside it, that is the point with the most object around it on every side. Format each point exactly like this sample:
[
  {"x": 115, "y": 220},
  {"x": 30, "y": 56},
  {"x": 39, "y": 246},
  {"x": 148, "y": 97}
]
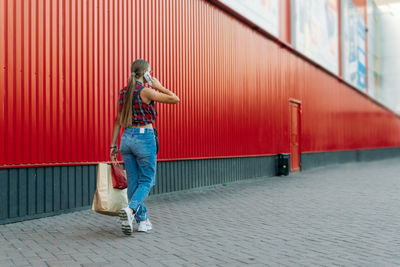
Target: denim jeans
[{"x": 138, "y": 151}]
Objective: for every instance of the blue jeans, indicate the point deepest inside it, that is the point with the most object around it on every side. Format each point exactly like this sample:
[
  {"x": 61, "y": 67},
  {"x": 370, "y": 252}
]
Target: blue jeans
[{"x": 138, "y": 151}]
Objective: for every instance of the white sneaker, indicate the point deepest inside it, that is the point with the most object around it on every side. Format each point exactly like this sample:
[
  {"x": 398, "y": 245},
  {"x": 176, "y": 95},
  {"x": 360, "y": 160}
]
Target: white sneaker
[
  {"x": 142, "y": 226},
  {"x": 126, "y": 217},
  {"x": 149, "y": 225}
]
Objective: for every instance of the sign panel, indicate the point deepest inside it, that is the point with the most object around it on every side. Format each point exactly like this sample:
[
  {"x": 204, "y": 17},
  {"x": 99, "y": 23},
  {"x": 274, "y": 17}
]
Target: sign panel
[
  {"x": 373, "y": 54},
  {"x": 315, "y": 31},
  {"x": 263, "y": 13},
  {"x": 353, "y": 46}
]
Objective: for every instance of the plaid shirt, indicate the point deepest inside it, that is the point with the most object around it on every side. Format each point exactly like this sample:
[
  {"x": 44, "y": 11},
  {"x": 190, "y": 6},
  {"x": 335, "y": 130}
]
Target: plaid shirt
[{"x": 142, "y": 113}]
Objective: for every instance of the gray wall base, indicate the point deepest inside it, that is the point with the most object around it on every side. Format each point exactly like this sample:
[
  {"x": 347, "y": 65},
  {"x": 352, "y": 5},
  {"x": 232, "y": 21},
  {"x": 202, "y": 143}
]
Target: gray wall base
[
  {"x": 30, "y": 193},
  {"x": 313, "y": 160}
]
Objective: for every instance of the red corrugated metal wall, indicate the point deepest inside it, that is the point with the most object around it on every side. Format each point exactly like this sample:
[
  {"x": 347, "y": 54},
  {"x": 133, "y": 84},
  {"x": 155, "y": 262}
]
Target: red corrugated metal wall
[{"x": 63, "y": 63}]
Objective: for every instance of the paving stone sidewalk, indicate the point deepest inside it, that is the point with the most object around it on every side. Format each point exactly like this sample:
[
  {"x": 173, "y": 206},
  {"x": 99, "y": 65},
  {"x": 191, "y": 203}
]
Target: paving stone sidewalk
[{"x": 342, "y": 215}]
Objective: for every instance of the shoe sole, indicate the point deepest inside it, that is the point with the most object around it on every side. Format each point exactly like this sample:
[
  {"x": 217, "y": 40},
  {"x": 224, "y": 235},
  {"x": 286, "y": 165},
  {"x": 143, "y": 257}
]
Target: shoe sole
[
  {"x": 125, "y": 227},
  {"x": 142, "y": 231}
]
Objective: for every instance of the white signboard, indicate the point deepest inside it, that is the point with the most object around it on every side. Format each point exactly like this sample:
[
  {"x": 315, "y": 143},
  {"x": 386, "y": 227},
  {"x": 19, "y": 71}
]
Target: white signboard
[
  {"x": 263, "y": 13},
  {"x": 353, "y": 45},
  {"x": 315, "y": 31}
]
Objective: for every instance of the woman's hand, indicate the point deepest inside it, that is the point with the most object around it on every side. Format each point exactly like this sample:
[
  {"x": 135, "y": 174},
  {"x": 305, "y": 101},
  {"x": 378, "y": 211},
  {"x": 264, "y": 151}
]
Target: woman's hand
[
  {"x": 114, "y": 153},
  {"x": 156, "y": 83}
]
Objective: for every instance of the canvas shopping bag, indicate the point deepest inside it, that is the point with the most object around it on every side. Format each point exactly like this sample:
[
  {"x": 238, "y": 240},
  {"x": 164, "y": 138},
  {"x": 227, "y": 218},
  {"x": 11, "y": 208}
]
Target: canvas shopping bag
[{"x": 108, "y": 200}]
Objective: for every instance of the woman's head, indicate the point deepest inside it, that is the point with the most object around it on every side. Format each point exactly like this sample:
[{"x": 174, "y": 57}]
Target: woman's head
[{"x": 138, "y": 68}]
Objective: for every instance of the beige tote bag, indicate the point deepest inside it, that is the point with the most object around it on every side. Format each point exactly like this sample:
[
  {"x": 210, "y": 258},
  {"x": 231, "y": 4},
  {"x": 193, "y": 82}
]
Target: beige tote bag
[{"x": 108, "y": 200}]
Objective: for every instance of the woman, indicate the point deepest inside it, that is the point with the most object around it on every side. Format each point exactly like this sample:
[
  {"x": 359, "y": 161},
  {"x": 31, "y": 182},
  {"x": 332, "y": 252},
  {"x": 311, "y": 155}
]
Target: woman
[{"x": 136, "y": 113}]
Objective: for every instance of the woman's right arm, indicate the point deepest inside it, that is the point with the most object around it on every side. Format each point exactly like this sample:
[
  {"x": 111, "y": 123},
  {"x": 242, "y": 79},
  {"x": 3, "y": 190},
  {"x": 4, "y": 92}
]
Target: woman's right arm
[{"x": 163, "y": 96}]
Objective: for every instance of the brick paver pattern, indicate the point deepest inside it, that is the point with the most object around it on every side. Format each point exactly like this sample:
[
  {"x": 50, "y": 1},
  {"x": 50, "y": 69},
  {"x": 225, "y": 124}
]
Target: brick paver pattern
[{"x": 340, "y": 215}]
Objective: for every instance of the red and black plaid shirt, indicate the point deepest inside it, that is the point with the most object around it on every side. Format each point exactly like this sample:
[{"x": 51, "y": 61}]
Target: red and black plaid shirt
[{"x": 142, "y": 113}]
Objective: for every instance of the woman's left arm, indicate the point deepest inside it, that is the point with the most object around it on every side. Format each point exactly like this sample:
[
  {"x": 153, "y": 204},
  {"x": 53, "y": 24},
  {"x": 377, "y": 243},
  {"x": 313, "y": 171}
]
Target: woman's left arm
[{"x": 115, "y": 133}]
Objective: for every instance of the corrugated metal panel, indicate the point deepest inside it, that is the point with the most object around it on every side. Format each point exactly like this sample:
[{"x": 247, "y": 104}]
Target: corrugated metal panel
[
  {"x": 34, "y": 192},
  {"x": 63, "y": 63},
  {"x": 28, "y": 193},
  {"x": 188, "y": 174},
  {"x": 319, "y": 159}
]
